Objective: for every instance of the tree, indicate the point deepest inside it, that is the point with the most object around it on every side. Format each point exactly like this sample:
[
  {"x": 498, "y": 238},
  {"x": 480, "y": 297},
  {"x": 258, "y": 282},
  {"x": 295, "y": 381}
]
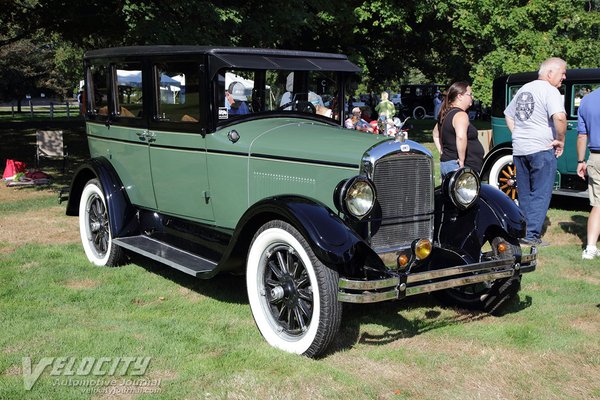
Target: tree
[
  {"x": 441, "y": 40},
  {"x": 23, "y": 69},
  {"x": 508, "y": 36}
]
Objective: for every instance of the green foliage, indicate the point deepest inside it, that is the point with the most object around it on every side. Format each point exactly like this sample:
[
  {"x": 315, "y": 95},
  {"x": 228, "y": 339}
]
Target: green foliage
[
  {"x": 394, "y": 42},
  {"x": 69, "y": 68},
  {"x": 513, "y": 36}
]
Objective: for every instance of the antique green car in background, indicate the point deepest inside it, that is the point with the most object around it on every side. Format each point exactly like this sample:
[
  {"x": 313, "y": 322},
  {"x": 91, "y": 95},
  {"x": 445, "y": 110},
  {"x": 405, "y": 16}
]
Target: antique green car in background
[
  {"x": 215, "y": 160},
  {"x": 498, "y": 168}
]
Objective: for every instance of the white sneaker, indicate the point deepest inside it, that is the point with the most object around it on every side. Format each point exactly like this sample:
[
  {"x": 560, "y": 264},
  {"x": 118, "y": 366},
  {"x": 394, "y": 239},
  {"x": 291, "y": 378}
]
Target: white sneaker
[{"x": 590, "y": 254}]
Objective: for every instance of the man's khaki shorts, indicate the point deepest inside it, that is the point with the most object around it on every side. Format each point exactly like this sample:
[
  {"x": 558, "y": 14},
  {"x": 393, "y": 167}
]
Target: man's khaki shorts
[{"x": 593, "y": 170}]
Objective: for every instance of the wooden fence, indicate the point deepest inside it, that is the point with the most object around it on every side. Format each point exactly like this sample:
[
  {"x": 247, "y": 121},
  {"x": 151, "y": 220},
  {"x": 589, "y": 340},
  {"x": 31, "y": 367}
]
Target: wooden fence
[{"x": 48, "y": 109}]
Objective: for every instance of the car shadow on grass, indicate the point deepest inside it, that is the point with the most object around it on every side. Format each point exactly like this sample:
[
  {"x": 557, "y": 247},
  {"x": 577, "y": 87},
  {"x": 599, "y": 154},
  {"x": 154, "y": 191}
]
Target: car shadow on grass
[
  {"x": 397, "y": 326},
  {"x": 224, "y": 287},
  {"x": 230, "y": 288}
]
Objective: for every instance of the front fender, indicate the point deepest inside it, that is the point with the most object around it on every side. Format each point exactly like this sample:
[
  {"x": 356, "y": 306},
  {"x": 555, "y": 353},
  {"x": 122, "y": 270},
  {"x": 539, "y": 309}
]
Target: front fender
[
  {"x": 332, "y": 241},
  {"x": 465, "y": 231},
  {"x": 122, "y": 215},
  {"x": 505, "y": 212}
]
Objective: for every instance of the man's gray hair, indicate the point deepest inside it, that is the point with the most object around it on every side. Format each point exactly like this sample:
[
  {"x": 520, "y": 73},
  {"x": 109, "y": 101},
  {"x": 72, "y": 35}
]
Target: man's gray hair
[{"x": 551, "y": 64}]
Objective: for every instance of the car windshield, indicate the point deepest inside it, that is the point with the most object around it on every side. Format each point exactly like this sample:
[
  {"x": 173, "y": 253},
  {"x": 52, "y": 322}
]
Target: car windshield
[{"x": 244, "y": 92}]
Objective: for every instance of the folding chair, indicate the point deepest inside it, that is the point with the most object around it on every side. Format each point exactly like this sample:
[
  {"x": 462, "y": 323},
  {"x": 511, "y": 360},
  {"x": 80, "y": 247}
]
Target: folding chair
[{"x": 50, "y": 144}]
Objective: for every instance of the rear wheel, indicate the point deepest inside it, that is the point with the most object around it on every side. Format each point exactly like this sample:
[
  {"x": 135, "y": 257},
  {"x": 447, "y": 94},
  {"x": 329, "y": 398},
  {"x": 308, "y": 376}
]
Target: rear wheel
[
  {"x": 419, "y": 112},
  {"x": 487, "y": 296},
  {"x": 293, "y": 296},
  {"x": 94, "y": 227}
]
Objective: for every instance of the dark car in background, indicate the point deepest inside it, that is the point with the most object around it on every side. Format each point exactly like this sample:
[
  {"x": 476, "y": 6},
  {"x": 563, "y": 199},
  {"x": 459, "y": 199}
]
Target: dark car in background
[{"x": 417, "y": 100}]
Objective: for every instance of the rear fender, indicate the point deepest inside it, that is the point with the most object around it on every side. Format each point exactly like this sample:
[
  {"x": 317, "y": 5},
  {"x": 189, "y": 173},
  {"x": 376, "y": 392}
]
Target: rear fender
[{"x": 122, "y": 215}]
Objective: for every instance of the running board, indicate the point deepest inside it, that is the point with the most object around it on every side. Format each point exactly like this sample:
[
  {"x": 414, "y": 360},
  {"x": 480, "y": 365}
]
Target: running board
[{"x": 182, "y": 260}]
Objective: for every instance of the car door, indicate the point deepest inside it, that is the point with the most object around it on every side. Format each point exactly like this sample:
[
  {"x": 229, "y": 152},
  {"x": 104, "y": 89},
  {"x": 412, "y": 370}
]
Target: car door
[
  {"x": 117, "y": 126},
  {"x": 177, "y": 145}
]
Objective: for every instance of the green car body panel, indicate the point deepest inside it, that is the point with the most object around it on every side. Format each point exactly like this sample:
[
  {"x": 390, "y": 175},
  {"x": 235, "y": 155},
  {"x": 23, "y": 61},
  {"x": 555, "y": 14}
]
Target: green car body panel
[
  {"x": 280, "y": 157},
  {"x": 272, "y": 157}
]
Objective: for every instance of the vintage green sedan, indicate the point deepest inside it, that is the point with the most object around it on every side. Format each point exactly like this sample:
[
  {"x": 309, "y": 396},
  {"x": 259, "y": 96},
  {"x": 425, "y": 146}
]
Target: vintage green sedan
[{"x": 214, "y": 160}]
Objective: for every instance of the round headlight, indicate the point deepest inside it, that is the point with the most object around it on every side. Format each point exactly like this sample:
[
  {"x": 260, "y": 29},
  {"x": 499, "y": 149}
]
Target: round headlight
[
  {"x": 464, "y": 188},
  {"x": 356, "y": 196}
]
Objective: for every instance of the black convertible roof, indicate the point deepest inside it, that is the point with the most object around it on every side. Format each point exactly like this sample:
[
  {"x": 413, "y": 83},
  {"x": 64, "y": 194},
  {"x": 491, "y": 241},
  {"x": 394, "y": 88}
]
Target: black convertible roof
[{"x": 237, "y": 57}]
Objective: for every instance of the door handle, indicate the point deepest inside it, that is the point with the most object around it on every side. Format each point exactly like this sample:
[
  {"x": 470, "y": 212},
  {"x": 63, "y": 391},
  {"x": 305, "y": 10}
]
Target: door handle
[
  {"x": 143, "y": 135},
  {"x": 147, "y": 135}
]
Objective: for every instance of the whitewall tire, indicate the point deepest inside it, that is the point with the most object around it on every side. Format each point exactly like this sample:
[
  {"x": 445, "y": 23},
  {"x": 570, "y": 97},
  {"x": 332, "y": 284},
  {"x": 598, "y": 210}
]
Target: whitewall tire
[
  {"x": 94, "y": 227},
  {"x": 293, "y": 296}
]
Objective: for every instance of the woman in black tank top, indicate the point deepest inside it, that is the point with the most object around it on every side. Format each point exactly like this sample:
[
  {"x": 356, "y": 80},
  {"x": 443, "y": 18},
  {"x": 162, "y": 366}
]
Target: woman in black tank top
[{"x": 454, "y": 136}]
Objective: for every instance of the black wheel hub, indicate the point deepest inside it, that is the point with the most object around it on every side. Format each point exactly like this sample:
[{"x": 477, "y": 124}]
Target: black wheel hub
[
  {"x": 98, "y": 223},
  {"x": 288, "y": 290}
]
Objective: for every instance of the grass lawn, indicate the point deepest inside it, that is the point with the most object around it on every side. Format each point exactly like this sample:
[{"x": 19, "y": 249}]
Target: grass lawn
[{"x": 203, "y": 344}]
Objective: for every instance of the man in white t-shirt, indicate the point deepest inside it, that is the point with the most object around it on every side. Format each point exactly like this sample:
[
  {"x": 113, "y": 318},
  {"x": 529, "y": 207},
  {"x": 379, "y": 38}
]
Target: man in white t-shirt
[{"x": 537, "y": 119}]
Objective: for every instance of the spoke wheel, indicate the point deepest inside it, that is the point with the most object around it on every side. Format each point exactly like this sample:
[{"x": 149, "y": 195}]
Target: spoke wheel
[
  {"x": 94, "y": 227},
  {"x": 293, "y": 296},
  {"x": 486, "y": 296},
  {"x": 288, "y": 290},
  {"x": 503, "y": 176},
  {"x": 419, "y": 112}
]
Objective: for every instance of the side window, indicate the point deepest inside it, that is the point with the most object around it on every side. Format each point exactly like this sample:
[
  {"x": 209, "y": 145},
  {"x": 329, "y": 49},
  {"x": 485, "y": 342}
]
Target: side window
[
  {"x": 579, "y": 91},
  {"x": 418, "y": 92},
  {"x": 244, "y": 92},
  {"x": 178, "y": 96},
  {"x": 512, "y": 90},
  {"x": 97, "y": 78},
  {"x": 129, "y": 86}
]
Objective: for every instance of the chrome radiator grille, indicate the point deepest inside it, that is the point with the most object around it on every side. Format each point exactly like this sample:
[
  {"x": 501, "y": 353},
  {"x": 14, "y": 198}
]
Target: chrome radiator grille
[{"x": 405, "y": 195}]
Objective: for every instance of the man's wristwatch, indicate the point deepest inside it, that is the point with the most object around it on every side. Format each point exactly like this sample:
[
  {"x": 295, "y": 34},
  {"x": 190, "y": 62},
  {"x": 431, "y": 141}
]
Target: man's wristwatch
[{"x": 580, "y": 161}]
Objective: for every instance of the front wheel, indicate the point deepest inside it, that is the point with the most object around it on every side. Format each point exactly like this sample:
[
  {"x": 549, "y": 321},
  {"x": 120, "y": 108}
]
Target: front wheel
[
  {"x": 487, "y": 296},
  {"x": 503, "y": 176},
  {"x": 293, "y": 296},
  {"x": 94, "y": 227}
]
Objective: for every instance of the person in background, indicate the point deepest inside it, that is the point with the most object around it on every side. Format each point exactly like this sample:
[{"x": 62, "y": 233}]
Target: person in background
[
  {"x": 235, "y": 99},
  {"x": 455, "y": 138},
  {"x": 357, "y": 122},
  {"x": 385, "y": 108},
  {"x": 437, "y": 104},
  {"x": 588, "y": 126},
  {"x": 537, "y": 119}
]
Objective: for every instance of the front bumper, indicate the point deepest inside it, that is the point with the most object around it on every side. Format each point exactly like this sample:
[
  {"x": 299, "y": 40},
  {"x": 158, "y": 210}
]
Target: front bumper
[{"x": 409, "y": 284}]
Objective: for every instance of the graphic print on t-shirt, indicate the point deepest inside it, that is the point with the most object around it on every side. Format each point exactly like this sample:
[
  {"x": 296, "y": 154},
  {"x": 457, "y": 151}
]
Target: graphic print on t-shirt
[{"x": 525, "y": 106}]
